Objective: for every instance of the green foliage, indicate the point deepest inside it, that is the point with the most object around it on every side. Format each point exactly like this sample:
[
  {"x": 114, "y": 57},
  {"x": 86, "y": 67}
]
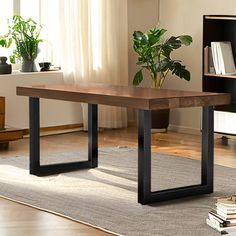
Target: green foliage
[
  {"x": 138, "y": 78},
  {"x": 4, "y": 42},
  {"x": 25, "y": 34},
  {"x": 155, "y": 55}
]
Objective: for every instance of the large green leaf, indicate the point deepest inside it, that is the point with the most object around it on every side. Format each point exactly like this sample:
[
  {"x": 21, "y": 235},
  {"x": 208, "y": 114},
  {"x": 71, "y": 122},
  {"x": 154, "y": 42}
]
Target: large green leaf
[
  {"x": 164, "y": 65},
  {"x": 154, "y": 35},
  {"x": 185, "y": 39},
  {"x": 138, "y": 35},
  {"x": 171, "y": 44},
  {"x": 138, "y": 78},
  {"x": 140, "y": 38},
  {"x": 166, "y": 50},
  {"x": 174, "y": 42},
  {"x": 180, "y": 71}
]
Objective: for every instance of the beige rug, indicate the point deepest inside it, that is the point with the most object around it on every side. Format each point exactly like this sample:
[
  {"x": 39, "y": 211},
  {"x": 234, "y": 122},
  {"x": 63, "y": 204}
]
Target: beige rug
[{"x": 106, "y": 197}]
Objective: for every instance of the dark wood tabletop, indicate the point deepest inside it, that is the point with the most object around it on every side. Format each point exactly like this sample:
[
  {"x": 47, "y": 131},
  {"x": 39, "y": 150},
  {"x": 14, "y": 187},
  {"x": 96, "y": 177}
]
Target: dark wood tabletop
[{"x": 126, "y": 96}]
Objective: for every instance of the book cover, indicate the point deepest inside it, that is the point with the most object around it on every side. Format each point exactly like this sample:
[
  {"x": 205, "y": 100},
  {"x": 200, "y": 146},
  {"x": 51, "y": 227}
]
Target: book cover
[
  {"x": 226, "y": 58},
  {"x": 215, "y": 57}
]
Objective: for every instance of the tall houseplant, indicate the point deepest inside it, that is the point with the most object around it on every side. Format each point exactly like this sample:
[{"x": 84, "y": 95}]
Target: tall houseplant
[
  {"x": 25, "y": 34},
  {"x": 154, "y": 55}
]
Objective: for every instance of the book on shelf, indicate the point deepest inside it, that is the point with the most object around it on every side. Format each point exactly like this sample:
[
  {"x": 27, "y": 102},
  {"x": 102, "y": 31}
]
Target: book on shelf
[
  {"x": 215, "y": 57},
  {"x": 223, "y": 59},
  {"x": 223, "y": 217},
  {"x": 208, "y": 61}
]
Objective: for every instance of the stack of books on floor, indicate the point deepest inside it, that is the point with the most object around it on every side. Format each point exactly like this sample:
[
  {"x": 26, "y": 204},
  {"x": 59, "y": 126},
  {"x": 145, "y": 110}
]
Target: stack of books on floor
[{"x": 223, "y": 217}]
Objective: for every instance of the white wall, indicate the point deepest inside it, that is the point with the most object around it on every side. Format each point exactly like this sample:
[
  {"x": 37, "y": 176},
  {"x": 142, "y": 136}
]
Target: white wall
[
  {"x": 53, "y": 112},
  {"x": 185, "y": 17}
]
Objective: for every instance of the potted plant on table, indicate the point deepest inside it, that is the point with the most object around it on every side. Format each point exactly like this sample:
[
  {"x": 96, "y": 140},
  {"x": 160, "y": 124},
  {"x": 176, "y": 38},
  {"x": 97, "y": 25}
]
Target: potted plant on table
[
  {"x": 154, "y": 55},
  {"x": 25, "y": 34}
]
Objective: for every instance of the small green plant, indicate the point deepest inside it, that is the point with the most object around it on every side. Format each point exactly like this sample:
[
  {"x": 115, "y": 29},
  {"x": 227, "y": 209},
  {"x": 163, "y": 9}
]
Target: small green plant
[
  {"x": 155, "y": 55},
  {"x": 25, "y": 34}
]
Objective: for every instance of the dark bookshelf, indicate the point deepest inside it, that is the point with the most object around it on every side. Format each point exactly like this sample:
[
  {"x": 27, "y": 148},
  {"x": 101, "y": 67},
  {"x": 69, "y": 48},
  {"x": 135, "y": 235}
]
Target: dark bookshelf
[{"x": 219, "y": 28}]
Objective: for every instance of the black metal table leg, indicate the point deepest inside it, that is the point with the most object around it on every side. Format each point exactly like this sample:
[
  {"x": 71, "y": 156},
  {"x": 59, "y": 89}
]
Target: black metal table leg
[
  {"x": 208, "y": 147},
  {"x": 144, "y": 156},
  {"x": 145, "y": 195},
  {"x": 34, "y": 135},
  {"x": 41, "y": 170},
  {"x": 93, "y": 134}
]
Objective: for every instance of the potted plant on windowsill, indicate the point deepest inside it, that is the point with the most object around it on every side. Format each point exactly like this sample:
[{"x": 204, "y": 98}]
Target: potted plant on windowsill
[
  {"x": 154, "y": 55},
  {"x": 4, "y": 67},
  {"x": 25, "y": 34}
]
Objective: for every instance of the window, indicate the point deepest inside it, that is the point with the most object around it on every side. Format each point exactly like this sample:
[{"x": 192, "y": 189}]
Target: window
[
  {"x": 5, "y": 14},
  {"x": 41, "y": 12},
  {"x": 30, "y": 9}
]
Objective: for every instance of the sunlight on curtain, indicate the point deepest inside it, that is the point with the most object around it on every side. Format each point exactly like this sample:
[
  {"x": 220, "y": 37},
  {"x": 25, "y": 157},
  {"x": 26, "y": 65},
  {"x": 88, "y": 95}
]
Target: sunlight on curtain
[
  {"x": 50, "y": 48},
  {"x": 96, "y": 25},
  {"x": 92, "y": 43}
]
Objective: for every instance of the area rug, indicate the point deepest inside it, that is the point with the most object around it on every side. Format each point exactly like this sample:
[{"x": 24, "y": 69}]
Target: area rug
[{"x": 106, "y": 197}]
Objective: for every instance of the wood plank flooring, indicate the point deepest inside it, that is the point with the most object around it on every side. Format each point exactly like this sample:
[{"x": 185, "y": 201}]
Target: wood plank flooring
[{"x": 19, "y": 220}]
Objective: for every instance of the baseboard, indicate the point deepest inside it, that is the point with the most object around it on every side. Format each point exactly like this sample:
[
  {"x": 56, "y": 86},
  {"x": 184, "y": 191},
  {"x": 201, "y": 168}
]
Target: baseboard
[
  {"x": 59, "y": 129},
  {"x": 185, "y": 130},
  {"x": 10, "y": 134},
  {"x": 74, "y": 127}
]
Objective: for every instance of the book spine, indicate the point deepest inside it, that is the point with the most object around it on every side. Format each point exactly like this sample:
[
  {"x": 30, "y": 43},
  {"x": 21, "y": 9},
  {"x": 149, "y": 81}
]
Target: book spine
[
  {"x": 226, "y": 216},
  {"x": 228, "y": 209},
  {"x": 219, "y": 218},
  {"x": 216, "y": 221},
  {"x": 206, "y": 60},
  {"x": 211, "y": 68}
]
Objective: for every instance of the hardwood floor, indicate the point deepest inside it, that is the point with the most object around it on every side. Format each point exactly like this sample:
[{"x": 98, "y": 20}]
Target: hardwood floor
[{"x": 19, "y": 220}]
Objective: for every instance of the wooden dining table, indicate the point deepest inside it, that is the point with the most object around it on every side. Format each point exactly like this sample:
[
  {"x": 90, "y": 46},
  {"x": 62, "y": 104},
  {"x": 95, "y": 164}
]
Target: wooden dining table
[{"x": 144, "y": 100}]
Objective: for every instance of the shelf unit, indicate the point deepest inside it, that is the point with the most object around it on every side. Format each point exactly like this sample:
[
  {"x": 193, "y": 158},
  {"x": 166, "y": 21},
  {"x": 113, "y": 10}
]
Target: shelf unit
[
  {"x": 224, "y": 76},
  {"x": 219, "y": 28}
]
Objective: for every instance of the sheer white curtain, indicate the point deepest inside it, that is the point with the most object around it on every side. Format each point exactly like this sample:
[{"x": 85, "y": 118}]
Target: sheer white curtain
[{"x": 92, "y": 35}]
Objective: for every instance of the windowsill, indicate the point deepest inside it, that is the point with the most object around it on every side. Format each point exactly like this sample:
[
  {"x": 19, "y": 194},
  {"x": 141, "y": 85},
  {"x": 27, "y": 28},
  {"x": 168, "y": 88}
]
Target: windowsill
[{"x": 17, "y": 72}]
